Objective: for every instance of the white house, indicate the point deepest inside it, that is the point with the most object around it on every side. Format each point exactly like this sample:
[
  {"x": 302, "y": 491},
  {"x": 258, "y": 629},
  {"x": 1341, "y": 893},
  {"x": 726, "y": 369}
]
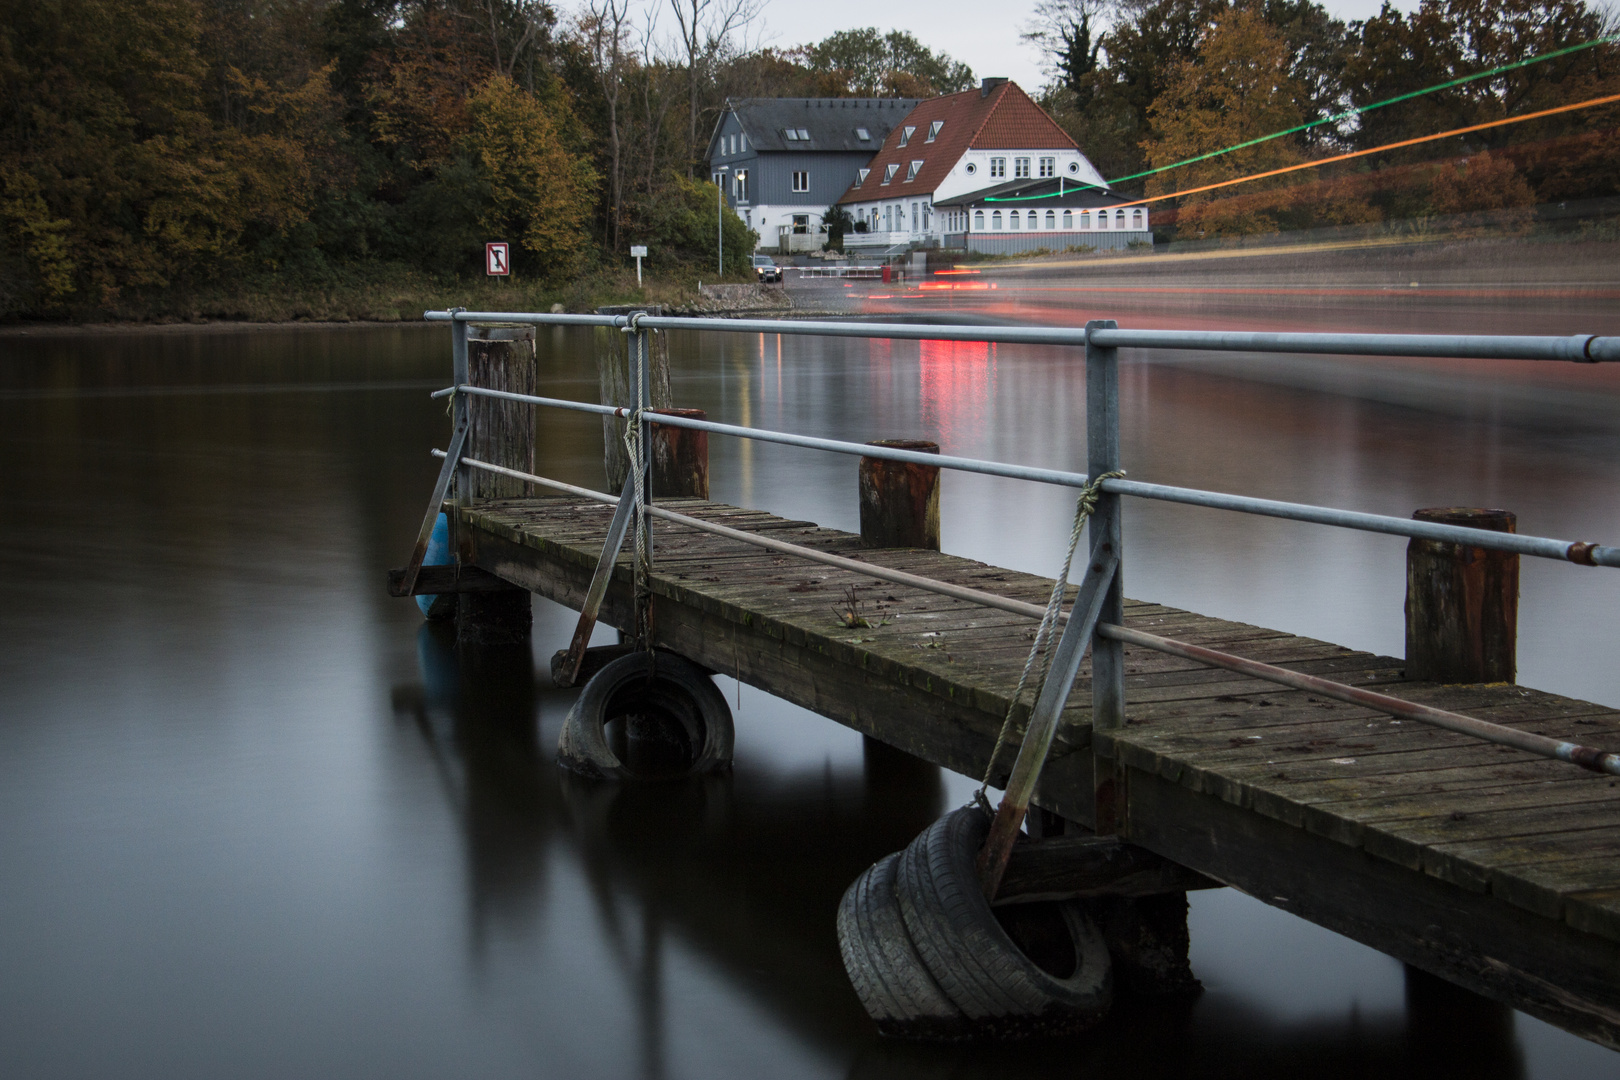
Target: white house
[{"x": 951, "y": 146}]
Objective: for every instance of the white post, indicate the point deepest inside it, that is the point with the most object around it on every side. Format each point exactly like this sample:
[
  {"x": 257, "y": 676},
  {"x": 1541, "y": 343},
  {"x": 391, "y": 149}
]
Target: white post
[{"x": 720, "y": 219}]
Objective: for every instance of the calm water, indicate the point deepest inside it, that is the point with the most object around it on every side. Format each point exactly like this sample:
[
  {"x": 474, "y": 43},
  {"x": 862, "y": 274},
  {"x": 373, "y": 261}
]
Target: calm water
[{"x": 257, "y": 820}]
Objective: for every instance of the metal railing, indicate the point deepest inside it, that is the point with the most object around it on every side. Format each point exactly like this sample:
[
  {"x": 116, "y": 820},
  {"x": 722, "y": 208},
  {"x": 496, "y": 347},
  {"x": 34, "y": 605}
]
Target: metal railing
[{"x": 1101, "y": 626}]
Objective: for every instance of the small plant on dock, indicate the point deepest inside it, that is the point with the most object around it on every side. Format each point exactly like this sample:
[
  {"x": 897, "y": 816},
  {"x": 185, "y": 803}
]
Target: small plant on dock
[{"x": 849, "y": 612}]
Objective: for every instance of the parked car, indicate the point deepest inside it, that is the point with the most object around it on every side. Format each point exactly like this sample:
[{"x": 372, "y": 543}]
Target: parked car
[{"x": 767, "y": 269}]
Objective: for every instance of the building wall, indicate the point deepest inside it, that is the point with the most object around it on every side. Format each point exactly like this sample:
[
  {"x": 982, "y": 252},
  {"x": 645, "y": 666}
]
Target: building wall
[
  {"x": 1017, "y": 243},
  {"x": 771, "y": 201}
]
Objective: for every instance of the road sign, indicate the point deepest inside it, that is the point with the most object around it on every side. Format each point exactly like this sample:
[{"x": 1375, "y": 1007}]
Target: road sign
[
  {"x": 496, "y": 260},
  {"x": 638, "y": 251}
]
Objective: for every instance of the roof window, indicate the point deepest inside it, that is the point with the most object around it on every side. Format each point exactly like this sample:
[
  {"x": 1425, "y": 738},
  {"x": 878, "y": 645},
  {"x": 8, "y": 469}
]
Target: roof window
[
  {"x": 796, "y": 134},
  {"x": 933, "y": 129},
  {"x": 863, "y": 135},
  {"x": 911, "y": 173},
  {"x": 905, "y": 135},
  {"x": 861, "y": 175},
  {"x": 889, "y": 171}
]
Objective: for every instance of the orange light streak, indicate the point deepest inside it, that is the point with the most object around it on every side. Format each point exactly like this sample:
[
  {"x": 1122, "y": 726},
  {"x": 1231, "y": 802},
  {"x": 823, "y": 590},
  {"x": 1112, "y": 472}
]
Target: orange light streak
[{"x": 1377, "y": 149}]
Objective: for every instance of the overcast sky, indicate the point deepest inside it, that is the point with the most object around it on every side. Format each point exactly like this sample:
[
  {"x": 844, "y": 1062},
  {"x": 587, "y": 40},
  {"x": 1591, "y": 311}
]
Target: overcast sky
[{"x": 985, "y": 36}]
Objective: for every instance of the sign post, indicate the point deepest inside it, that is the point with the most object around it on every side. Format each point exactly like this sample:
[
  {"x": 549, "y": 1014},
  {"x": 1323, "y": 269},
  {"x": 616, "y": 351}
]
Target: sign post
[
  {"x": 639, "y": 251},
  {"x": 497, "y": 261}
]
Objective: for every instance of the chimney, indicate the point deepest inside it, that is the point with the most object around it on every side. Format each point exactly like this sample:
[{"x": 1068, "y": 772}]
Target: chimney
[{"x": 987, "y": 85}]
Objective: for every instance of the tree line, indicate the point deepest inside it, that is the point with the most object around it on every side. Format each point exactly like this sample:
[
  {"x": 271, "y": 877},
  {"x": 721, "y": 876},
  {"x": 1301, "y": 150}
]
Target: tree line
[
  {"x": 1144, "y": 84},
  {"x": 148, "y": 144},
  {"x": 152, "y": 144}
]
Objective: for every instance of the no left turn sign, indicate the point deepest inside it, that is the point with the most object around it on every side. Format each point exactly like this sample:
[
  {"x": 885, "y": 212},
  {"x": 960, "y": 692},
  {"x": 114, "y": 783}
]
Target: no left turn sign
[{"x": 496, "y": 260}]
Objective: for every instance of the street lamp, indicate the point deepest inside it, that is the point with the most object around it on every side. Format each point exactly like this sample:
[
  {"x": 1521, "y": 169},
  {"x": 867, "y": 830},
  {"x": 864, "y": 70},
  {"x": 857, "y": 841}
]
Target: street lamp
[{"x": 720, "y": 217}]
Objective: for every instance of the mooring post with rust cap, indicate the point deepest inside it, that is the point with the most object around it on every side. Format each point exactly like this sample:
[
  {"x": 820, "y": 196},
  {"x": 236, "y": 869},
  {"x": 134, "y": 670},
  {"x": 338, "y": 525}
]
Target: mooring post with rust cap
[
  {"x": 900, "y": 499},
  {"x": 680, "y": 456},
  {"x": 1462, "y": 603}
]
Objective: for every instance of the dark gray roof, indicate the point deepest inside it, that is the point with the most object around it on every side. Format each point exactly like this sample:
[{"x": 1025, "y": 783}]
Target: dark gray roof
[
  {"x": 830, "y": 122},
  {"x": 1037, "y": 194}
]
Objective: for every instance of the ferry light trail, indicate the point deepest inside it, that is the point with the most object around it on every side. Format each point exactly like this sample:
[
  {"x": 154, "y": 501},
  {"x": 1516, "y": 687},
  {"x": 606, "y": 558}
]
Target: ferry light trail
[
  {"x": 1355, "y": 111},
  {"x": 1592, "y": 103}
]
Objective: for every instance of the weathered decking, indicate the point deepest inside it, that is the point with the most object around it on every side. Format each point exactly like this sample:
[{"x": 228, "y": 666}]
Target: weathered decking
[{"x": 1481, "y": 864}]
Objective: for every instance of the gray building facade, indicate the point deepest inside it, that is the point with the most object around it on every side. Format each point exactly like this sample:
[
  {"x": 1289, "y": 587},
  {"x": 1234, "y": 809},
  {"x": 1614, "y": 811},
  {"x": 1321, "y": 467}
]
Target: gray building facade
[{"x": 783, "y": 161}]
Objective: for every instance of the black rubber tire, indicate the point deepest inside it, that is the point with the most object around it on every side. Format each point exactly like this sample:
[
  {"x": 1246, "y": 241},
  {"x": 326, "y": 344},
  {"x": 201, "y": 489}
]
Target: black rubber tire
[
  {"x": 1002, "y": 992},
  {"x": 667, "y": 683},
  {"x": 888, "y": 975}
]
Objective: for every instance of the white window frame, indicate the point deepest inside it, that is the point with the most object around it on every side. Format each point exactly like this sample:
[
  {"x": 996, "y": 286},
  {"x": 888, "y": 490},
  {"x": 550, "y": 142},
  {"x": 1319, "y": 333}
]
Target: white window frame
[
  {"x": 1021, "y": 168},
  {"x": 1048, "y": 166},
  {"x": 801, "y": 181},
  {"x": 978, "y": 220},
  {"x": 995, "y": 221},
  {"x": 861, "y": 175},
  {"x": 933, "y": 130},
  {"x": 889, "y": 171},
  {"x": 906, "y": 134},
  {"x": 912, "y": 170},
  {"x": 998, "y": 168}
]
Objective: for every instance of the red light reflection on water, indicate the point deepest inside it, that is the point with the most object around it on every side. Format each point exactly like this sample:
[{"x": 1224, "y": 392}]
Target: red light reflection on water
[{"x": 957, "y": 381}]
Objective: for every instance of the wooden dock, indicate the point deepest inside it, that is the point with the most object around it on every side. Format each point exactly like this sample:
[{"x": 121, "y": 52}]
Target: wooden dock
[{"x": 1484, "y": 865}]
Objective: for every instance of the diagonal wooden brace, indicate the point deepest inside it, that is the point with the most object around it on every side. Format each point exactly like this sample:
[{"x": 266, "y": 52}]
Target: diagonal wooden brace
[
  {"x": 568, "y": 671},
  {"x": 1043, "y": 719},
  {"x": 407, "y": 581}
]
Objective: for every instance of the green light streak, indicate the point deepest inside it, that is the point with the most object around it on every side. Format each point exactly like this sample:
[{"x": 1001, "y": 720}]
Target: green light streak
[{"x": 1355, "y": 111}]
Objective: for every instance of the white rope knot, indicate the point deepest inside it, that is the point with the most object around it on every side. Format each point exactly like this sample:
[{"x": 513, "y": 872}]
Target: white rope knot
[{"x": 1084, "y": 506}]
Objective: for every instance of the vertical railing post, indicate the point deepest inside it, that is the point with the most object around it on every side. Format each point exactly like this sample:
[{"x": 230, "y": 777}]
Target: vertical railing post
[
  {"x": 1107, "y": 657},
  {"x": 458, "y": 360},
  {"x": 641, "y": 390}
]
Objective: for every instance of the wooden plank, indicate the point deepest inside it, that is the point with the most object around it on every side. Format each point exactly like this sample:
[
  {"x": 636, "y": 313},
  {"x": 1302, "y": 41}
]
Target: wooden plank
[
  {"x": 1546, "y": 968},
  {"x": 1079, "y": 867},
  {"x": 436, "y": 580}
]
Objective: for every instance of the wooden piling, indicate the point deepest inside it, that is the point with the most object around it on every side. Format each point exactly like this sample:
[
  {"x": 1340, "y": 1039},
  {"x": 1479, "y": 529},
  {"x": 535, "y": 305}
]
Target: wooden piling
[
  {"x": 501, "y": 357},
  {"x": 1462, "y": 603},
  {"x": 613, "y": 380},
  {"x": 900, "y": 499},
  {"x": 680, "y": 464}
]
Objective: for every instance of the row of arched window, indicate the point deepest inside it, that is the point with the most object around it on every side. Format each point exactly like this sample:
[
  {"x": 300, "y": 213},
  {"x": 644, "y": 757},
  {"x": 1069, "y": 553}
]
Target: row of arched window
[{"x": 1032, "y": 220}]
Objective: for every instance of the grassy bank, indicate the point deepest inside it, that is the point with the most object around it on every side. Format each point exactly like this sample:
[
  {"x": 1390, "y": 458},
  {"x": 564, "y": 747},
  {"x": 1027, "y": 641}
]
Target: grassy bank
[{"x": 378, "y": 292}]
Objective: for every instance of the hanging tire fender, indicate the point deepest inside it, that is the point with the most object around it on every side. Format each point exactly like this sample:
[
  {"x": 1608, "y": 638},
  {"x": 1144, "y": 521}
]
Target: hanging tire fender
[{"x": 663, "y": 682}]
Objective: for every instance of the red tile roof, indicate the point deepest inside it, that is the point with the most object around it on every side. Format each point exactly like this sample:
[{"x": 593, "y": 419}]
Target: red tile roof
[{"x": 1003, "y": 119}]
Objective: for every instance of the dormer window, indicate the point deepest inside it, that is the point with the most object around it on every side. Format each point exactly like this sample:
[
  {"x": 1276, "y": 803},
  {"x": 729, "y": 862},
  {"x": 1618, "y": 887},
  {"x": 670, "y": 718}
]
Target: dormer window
[
  {"x": 889, "y": 171},
  {"x": 863, "y": 135},
  {"x": 911, "y": 173},
  {"x": 861, "y": 175},
  {"x": 906, "y": 134},
  {"x": 933, "y": 129}
]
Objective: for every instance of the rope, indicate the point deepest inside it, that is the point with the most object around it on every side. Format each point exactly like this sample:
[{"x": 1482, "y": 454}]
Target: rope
[{"x": 1084, "y": 506}]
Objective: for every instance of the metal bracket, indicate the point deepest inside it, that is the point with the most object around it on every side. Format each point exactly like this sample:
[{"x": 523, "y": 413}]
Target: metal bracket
[
  {"x": 452, "y": 458},
  {"x": 1043, "y": 719},
  {"x": 588, "y": 612}
]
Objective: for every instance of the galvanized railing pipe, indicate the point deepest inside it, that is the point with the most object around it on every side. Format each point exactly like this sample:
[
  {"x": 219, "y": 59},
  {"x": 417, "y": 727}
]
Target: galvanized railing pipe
[
  {"x": 1580, "y": 348},
  {"x": 1574, "y": 753},
  {"x": 1541, "y": 547}
]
